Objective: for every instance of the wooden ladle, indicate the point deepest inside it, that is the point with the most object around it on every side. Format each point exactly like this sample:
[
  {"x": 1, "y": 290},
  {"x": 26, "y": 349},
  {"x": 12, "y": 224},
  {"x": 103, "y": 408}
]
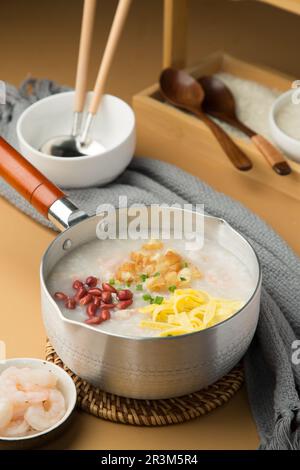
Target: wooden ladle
[
  {"x": 183, "y": 91},
  {"x": 219, "y": 103}
]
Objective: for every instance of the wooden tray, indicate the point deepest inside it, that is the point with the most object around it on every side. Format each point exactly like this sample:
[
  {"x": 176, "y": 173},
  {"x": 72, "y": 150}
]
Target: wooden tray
[{"x": 171, "y": 135}]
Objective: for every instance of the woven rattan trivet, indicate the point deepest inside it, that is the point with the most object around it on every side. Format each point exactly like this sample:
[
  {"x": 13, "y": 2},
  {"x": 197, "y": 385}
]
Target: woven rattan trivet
[{"x": 151, "y": 412}]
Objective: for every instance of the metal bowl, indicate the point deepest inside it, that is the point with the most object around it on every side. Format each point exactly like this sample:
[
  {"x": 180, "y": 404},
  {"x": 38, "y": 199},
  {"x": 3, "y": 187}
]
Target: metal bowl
[{"x": 151, "y": 368}]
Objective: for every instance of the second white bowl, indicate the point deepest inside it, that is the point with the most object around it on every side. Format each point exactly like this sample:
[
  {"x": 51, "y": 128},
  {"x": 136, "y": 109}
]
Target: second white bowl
[{"x": 113, "y": 126}]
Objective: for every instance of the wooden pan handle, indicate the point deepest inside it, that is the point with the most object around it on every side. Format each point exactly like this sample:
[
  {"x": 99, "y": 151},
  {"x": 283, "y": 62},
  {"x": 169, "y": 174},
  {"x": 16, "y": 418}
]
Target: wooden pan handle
[
  {"x": 110, "y": 49},
  {"x": 27, "y": 180},
  {"x": 84, "y": 53},
  {"x": 273, "y": 156}
]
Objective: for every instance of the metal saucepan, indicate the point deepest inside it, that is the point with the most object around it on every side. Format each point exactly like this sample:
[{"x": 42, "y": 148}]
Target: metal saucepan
[{"x": 134, "y": 367}]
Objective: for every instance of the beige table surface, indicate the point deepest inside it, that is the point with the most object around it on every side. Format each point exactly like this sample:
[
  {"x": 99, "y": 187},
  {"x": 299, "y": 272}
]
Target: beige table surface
[{"x": 35, "y": 47}]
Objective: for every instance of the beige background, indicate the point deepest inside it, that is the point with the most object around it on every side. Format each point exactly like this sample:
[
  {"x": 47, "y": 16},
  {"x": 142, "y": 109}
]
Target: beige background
[{"x": 41, "y": 39}]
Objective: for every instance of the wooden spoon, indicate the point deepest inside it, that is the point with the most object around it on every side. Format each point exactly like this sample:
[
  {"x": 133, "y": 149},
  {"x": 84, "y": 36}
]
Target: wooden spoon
[
  {"x": 219, "y": 102},
  {"x": 183, "y": 91}
]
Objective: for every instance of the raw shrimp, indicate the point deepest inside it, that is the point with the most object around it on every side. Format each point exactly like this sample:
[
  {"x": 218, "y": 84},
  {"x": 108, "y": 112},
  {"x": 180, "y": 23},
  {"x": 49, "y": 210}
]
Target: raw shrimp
[
  {"x": 6, "y": 412},
  {"x": 13, "y": 373},
  {"x": 12, "y": 390},
  {"x": 29, "y": 401},
  {"x": 43, "y": 416},
  {"x": 19, "y": 409},
  {"x": 15, "y": 428},
  {"x": 30, "y": 379}
]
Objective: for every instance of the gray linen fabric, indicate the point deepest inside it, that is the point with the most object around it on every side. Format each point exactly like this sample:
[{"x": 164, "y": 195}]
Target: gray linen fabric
[{"x": 272, "y": 379}]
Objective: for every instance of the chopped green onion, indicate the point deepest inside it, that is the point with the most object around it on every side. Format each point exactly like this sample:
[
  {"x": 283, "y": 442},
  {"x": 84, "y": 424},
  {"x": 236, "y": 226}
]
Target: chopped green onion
[
  {"x": 182, "y": 278},
  {"x": 128, "y": 283},
  {"x": 144, "y": 277},
  {"x": 172, "y": 288},
  {"x": 158, "y": 300},
  {"x": 185, "y": 265},
  {"x": 156, "y": 274},
  {"x": 147, "y": 297},
  {"x": 139, "y": 287},
  {"x": 112, "y": 282}
]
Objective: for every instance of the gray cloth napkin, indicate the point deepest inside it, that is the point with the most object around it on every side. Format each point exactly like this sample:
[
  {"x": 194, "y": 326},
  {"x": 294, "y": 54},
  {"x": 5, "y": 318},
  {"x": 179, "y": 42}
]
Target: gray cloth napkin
[{"x": 272, "y": 379}]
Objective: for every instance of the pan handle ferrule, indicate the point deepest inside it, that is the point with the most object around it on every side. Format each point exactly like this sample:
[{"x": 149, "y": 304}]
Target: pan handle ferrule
[{"x": 64, "y": 214}]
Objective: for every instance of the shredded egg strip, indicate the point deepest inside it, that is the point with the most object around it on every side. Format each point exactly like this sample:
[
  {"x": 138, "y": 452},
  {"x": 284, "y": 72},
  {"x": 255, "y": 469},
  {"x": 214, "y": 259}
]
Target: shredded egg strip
[{"x": 188, "y": 310}]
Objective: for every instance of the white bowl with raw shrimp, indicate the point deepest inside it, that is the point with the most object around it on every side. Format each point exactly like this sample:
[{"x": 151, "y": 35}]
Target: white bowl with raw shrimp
[{"x": 20, "y": 435}]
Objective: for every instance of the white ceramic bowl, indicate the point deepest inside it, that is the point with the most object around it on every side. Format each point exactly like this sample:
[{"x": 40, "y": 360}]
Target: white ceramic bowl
[
  {"x": 65, "y": 385},
  {"x": 113, "y": 126},
  {"x": 289, "y": 145}
]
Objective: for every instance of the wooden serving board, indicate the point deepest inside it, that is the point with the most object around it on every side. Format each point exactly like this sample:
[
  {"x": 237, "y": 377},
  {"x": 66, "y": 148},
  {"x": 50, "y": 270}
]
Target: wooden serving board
[{"x": 171, "y": 135}]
